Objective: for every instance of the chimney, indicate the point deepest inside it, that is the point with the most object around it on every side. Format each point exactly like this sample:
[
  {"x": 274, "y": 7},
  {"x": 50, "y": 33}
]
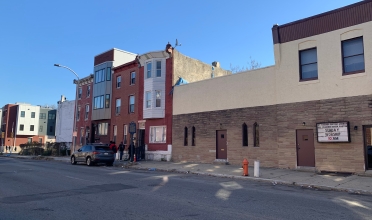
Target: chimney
[{"x": 63, "y": 98}]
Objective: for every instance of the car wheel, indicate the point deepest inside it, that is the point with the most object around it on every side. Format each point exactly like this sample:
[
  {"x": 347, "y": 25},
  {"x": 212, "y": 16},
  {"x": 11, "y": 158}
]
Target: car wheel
[
  {"x": 89, "y": 161},
  {"x": 73, "y": 161}
]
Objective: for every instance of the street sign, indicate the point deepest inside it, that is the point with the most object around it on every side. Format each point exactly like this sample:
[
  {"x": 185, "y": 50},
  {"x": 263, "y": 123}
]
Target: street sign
[{"x": 132, "y": 127}]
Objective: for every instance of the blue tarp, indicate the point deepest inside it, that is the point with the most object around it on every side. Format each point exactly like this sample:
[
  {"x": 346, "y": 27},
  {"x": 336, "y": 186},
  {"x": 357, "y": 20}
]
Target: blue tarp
[{"x": 179, "y": 82}]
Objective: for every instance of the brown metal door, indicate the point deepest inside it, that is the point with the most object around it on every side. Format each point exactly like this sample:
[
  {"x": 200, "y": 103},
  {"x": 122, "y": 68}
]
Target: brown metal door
[
  {"x": 368, "y": 146},
  {"x": 305, "y": 148},
  {"x": 221, "y": 148}
]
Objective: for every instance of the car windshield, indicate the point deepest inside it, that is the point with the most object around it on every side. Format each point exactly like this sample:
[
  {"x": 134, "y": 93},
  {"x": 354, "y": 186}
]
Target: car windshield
[{"x": 102, "y": 148}]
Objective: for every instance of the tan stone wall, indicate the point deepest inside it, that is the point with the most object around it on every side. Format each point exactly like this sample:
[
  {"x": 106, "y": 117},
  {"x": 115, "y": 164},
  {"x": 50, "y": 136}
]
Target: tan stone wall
[
  {"x": 277, "y": 127},
  {"x": 192, "y": 69}
]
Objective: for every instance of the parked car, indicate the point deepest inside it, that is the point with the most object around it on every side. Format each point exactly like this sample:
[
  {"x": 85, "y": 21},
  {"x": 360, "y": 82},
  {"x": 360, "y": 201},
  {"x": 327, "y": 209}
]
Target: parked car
[{"x": 93, "y": 154}]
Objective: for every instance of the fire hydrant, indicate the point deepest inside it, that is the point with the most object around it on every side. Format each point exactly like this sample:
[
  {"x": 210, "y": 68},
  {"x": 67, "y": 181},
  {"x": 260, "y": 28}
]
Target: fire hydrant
[{"x": 245, "y": 167}]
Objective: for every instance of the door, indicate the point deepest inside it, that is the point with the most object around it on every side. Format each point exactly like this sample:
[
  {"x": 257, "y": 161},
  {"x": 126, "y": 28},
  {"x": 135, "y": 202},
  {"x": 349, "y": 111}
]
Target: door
[
  {"x": 305, "y": 148},
  {"x": 141, "y": 143},
  {"x": 367, "y": 130},
  {"x": 221, "y": 144}
]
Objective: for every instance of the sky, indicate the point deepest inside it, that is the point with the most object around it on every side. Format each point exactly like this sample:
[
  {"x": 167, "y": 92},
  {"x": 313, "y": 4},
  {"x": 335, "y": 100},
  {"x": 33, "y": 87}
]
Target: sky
[{"x": 39, "y": 33}]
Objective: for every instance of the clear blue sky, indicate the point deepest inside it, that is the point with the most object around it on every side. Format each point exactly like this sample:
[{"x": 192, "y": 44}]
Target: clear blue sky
[{"x": 36, "y": 34}]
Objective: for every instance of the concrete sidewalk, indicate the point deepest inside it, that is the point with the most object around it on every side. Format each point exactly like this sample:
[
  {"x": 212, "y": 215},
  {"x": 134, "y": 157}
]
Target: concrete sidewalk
[{"x": 327, "y": 181}]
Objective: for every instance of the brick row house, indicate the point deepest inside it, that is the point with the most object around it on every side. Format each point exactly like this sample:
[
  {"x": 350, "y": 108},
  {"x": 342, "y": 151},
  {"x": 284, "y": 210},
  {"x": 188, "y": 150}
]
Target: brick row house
[
  {"x": 84, "y": 106},
  {"x": 311, "y": 110}
]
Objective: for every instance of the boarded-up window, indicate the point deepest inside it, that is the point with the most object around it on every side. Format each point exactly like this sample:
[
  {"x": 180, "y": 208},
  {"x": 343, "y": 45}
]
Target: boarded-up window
[
  {"x": 193, "y": 136},
  {"x": 256, "y": 135},
  {"x": 245, "y": 134},
  {"x": 185, "y": 137}
]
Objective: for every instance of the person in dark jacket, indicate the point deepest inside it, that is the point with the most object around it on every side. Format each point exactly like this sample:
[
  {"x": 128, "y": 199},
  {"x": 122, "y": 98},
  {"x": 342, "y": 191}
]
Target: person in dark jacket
[{"x": 121, "y": 150}]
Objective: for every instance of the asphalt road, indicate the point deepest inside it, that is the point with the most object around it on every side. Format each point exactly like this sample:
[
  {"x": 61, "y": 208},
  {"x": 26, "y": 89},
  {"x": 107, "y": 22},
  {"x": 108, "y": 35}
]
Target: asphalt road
[{"x": 32, "y": 189}]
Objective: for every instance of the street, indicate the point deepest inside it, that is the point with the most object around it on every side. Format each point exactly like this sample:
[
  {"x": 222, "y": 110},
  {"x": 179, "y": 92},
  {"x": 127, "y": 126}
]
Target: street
[{"x": 33, "y": 189}]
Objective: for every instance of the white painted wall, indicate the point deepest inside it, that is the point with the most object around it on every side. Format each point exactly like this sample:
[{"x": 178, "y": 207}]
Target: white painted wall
[
  {"x": 27, "y": 121},
  {"x": 65, "y": 121},
  {"x": 151, "y": 85},
  {"x": 280, "y": 83}
]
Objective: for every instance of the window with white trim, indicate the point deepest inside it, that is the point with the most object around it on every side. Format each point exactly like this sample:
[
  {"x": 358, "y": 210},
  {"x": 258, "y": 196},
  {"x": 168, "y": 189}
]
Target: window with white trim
[
  {"x": 117, "y": 106},
  {"x": 118, "y": 82},
  {"x": 148, "y": 70},
  {"x": 80, "y": 91},
  {"x": 148, "y": 99},
  {"x": 131, "y": 104},
  {"x": 158, "y": 68},
  {"x": 158, "y": 98},
  {"x": 132, "y": 78},
  {"x": 158, "y": 134},
  {"x": 86, "y": 112}
]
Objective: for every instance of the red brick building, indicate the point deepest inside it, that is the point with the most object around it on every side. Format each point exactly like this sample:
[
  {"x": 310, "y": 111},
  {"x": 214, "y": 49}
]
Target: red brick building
[
  {"x": 9, "y": 120},
  {"x": 83, "y": 117}
]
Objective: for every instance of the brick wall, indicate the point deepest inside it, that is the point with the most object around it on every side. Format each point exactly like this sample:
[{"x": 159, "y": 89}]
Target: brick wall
[{"x": 277, "y": 130}]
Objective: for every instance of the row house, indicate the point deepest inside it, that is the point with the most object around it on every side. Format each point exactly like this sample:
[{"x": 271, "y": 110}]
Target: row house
[
  {"x": 84, "y": 106},
  {"x": 24, "y": 123},
  {"x": 311, "y": 110},
  {"x": 142, "y": 93}
]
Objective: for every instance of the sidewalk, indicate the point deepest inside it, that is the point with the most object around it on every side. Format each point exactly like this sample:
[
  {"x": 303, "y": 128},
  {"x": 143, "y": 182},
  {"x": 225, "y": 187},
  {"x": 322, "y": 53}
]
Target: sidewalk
[{"x": 328, "y": 181}]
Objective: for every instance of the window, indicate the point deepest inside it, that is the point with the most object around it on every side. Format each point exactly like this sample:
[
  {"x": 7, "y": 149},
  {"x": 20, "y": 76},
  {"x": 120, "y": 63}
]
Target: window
[
  {"x": 185, "y": 136},
  {"x": 80, "y": 91},
  {"x": 78, "y": 114},
  {"x": 353, "y": 55},
  {"x": 115, "y": 132},
  {"x": 132, "y": 78},
  {"x": 102, "y": 128},
  {"x": 98, "y": 102},
  {"x": 245, "y": 134},
  {"x": 21, "y": 127},
  {"x": 81, "y": 136},
  {"x": 148, "y": 99},
  {"x": 40, "y": 140},
  {"x": 88, "y": 90},
  {"x": 158, "y": 68},
  {"x": 42, "y": 116},
  {"x": 108, "y": 74},
  {"x": 29, "y": 140},
  {"x": 308, "y": 64},
  {"x": 51, "y": 116},
  {"x": 118, "y": 81},
  {"x": 107, "y": 101},
  {"x": 148, "y": 68},
  {"x": 256, "y": 136},
  {"x": 51, "y": 128},
  {"x": 99, "y": 76},
  {"x": 158, "y": 134},
  {"x": 32, "y": 114},
  {"x": 125, "y": 133},
  {"x": 117, "y": 106},
  {"x": 40, "y": 128},
  {"x": 22, "y": 114},
  {"x": 86, "y": 112},
  {"x": 131, "y": 104},
  {"x": 158, "y": 98},
  {"x": 193, "y": 136},
  {"x": 31, "y": 127}
]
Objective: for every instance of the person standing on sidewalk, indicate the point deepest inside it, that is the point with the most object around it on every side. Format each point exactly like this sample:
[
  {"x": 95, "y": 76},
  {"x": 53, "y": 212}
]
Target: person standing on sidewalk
[
  {"x": 121, "y": 150},
  {"x": 114, "y": 149}
]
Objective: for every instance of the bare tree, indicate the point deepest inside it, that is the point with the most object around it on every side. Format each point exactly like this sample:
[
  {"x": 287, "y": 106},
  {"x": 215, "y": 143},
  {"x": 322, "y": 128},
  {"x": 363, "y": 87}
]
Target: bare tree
[{"x": 251, "y": 65}]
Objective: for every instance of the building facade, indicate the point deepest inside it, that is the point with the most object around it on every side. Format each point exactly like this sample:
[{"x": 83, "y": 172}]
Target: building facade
[
  {"x": 47, "y": 125},
  {"x": 159, "y": 72},
  {"x": 102, "y": 92},
  {"x": 310, "y": 110},
  {"x": 84, "y": 109},
  {"x": 65, "y": 122}
]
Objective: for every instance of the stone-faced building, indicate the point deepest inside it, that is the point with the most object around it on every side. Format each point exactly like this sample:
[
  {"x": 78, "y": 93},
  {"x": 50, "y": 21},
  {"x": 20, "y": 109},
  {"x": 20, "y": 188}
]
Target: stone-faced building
[{"x": 311, "y": 109}]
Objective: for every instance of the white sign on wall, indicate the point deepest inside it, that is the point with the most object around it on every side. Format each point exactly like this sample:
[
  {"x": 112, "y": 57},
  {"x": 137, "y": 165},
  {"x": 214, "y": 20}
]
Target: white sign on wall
[{"x": 333, "y": 132}]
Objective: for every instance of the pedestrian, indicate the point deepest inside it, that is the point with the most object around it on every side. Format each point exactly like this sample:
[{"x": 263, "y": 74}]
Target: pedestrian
[
  {"x": 113, "y": 148},
  {"x": 121, "y": 150}
]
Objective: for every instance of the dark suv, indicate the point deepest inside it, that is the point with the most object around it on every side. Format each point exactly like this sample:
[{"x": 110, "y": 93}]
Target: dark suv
[{"x": 93, "y": 153}]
